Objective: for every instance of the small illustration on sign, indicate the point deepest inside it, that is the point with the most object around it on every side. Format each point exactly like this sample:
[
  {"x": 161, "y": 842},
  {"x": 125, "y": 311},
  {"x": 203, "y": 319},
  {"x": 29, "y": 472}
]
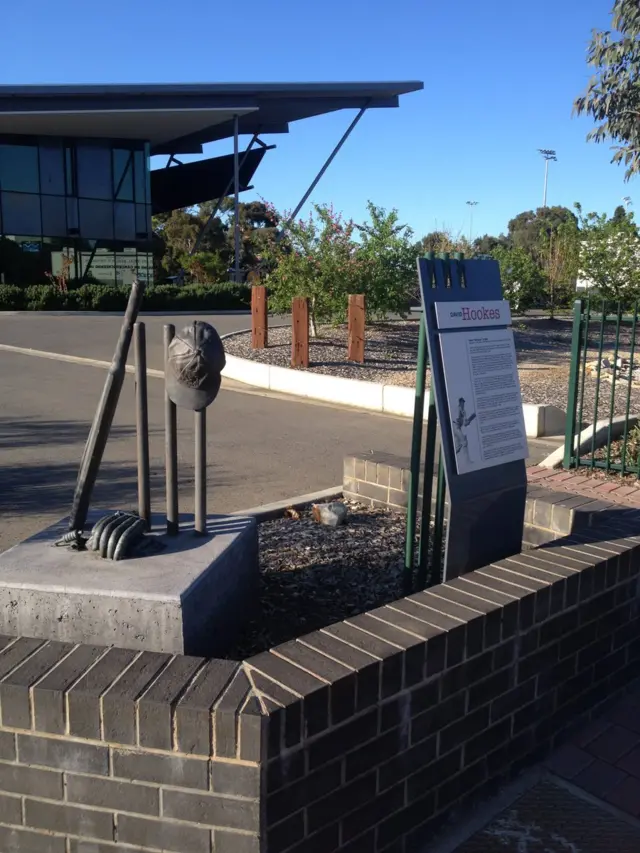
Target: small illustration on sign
[{"x": 459, "y": 425}]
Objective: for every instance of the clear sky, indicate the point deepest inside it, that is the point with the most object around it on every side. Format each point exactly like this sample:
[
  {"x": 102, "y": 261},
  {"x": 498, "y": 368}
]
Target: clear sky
[{"x": 500, "y": 78}]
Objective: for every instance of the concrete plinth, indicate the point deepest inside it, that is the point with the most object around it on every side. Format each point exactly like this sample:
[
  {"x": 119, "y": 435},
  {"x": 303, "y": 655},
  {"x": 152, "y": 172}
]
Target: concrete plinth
[{"x": 190, "y": 597}]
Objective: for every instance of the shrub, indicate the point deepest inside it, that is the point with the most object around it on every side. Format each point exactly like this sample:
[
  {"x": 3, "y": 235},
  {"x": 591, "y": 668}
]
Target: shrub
[
  {"x": 12, "y": 298},
  {"x": 223, "y": 296}
]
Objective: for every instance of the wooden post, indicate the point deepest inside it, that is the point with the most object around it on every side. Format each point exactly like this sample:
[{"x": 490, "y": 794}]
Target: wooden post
[
  {"x": 259, "y": 326},
  {"x": 356, "y": 327},
  {"x": 300, "y": 332}
]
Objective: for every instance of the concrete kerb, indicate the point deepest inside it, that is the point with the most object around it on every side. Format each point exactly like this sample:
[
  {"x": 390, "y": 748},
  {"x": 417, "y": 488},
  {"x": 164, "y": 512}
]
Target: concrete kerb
[
  {"x": 540, "y": 420},
  {"x": 583, "y": 442},
  {"x": 267, "y": 512}
]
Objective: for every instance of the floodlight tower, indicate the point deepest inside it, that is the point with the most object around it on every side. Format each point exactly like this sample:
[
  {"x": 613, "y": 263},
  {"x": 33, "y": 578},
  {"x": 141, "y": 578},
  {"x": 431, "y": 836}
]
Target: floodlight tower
[
  {"x": 471, "y": 204},
  {"x": 548, "y": 155}
]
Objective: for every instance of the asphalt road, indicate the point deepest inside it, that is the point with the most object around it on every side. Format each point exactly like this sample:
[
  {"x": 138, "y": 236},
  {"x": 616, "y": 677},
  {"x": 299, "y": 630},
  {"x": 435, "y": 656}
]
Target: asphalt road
[
  {"x": 94, "y": 335},
  {"x": 261, "y": 447}
]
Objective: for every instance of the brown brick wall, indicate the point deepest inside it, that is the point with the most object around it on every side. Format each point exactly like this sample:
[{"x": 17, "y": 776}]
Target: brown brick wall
[{"x": 358, "y": 738}]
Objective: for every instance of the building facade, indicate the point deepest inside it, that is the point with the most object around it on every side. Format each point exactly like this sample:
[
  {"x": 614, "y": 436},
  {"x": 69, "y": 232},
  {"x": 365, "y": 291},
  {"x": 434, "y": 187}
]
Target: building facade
[
  {"x": 76, "y": 187},
  {"x": 80, "y": 208}
]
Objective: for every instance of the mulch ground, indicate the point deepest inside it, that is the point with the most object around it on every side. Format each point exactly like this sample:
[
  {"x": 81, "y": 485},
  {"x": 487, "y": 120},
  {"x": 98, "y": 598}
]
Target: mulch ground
[
  {"x": 312, "y": 575},
  {"x": 543, "y": 348}
]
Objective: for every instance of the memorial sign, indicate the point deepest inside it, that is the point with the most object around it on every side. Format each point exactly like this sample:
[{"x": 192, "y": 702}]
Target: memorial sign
[
  {"x": 482, "y": 385},
  {"x": 476, "y": 403}
]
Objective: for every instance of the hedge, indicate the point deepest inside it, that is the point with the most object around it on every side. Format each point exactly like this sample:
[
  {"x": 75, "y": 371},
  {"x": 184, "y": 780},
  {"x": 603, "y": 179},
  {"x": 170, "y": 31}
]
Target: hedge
[{"x": 225, "y": 296}]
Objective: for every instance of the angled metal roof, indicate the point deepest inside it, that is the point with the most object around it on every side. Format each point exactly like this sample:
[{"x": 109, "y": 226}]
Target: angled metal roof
[{"x": 180, "y": 118}]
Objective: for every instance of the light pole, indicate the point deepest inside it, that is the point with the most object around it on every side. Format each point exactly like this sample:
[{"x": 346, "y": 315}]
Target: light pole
[
  {"x": 548, "y": 154},
  {"x": 471, "y": 204}
]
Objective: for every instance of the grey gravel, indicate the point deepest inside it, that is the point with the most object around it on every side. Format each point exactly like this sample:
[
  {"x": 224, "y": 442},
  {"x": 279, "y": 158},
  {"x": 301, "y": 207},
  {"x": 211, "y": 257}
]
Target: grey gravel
[
  {"x": 543, "y": 349},
  {"x": 313, "y": 575}
]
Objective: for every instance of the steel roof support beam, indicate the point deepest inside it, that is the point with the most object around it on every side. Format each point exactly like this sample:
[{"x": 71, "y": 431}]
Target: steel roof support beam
[
  {"x": 236, "y": 199},
  {"x": 245, "y": 153},
  {"x": 327, "y": 163}
]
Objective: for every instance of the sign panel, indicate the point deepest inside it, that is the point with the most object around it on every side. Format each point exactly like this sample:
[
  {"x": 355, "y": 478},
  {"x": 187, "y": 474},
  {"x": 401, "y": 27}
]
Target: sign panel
[
  {"x": 483, "y": 397},
  {"x": 460, "y": 315}
]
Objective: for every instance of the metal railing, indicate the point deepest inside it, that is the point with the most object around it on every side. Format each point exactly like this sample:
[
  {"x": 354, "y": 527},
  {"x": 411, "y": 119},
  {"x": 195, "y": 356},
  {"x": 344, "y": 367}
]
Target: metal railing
[{"x": 603, "y": 394}]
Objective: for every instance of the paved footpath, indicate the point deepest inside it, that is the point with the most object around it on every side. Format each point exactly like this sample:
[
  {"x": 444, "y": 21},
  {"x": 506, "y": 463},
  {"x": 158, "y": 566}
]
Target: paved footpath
[{"x": 580, "y": 482}]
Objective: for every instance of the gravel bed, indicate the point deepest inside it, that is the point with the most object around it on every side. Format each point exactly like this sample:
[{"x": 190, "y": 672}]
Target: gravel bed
[
  {"x": 543, "y": 349},
  {"x": 312, "y": 575}
]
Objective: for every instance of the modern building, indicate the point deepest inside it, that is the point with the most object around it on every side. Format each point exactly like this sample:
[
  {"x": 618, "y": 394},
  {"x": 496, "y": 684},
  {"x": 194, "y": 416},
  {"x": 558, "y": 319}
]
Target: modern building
[{"x": 77, "y": 191}]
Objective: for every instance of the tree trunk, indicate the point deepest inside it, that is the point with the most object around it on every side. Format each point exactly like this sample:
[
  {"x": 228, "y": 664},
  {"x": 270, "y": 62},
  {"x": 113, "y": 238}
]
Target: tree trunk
[{"x": 312, "y": 317}]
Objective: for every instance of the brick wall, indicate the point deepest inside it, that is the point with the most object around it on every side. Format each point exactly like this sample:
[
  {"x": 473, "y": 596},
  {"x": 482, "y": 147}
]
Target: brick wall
[
  {"x": 104, "y": 748},
  {"x": 383, "y": 479},
  {"x": 358, "y": 738},
  {"x": 382, "y": 724}
]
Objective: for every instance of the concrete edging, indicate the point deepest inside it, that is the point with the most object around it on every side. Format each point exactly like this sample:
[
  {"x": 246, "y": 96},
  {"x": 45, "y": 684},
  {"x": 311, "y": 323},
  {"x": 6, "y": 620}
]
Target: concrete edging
[
  {"x": 266, "y": 512},
  {"x": 582, "y": 442},
  {"x": 539, "y": 420}
]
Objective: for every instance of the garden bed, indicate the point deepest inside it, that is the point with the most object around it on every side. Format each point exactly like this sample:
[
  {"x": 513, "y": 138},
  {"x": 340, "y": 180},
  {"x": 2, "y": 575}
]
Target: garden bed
[
  {"x": 543, "y": 349},
  {"x": 312, "y": 576}
]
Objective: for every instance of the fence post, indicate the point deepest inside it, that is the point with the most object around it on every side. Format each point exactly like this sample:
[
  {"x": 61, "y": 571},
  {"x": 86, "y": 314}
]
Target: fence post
[
  {"x": 259, "y": 322},
  {"x": 356, "y": 327},
  {"x": 300, "y": 332},
  {"x": 574, "y": 375}
]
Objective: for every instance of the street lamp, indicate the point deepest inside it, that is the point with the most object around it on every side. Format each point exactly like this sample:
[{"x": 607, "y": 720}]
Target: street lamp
[
  {"x": 471, "y": 204},
  {"x": 548, "y": 154}
]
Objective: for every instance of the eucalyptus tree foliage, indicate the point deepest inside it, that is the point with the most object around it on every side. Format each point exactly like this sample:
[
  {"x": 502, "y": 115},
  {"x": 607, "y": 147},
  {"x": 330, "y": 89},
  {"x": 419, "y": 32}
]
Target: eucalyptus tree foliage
[{"x": 612, "y": 97}]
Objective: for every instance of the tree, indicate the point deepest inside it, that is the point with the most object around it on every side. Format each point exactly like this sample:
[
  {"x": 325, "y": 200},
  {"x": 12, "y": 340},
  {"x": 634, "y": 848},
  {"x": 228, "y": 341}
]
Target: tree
[
  {"x": 180, "y": 230},
  {"x": 444, "y": 240},
  {"x": 315, "y": 259},
  {"x": 609, "y": 255},
  {"x": 557, "y": 255},
  {"x": 522, "y": 280},
  {"x": 321, "y": 259},
  {"x": 619, "y": 214},
  {"x": 612, "y": 97},
  {"x": 387, "y": 262},
  {"x": 487, "y": 244},
  {"x": 524, "y": 230}
]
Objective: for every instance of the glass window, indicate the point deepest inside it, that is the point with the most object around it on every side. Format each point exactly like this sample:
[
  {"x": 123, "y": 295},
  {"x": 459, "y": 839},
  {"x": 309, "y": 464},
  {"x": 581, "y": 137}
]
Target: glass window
[
  {"x": 147, "y": 169},
  {"x": 145, "y": 267},
  {"x": 94, "y": 171},
  {"x": 73, "y": 221},
  {"x": 141, "y": 176},
  {"x": 126, "y": 265},
  {"x": 19, "y": 168},
  {"x": 125, "y": 221},
  {"x": 69, "y": 171},
  {"x": 51, "y": 169},
  {"x": 21, "y": 213},
  {"x": 23, "y": 261},
  {"x": 60, "y": 258},
  {"x": 54, "y": 216},
  {"x": 123, "y": 174},
  {"x": 99, "y": 266},
  {"x": 96, "y": 219},
  {"x": 142, "y": 222}
]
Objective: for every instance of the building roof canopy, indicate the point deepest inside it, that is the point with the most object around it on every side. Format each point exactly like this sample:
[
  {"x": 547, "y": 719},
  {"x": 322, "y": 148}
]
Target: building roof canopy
[{"x": 180, "y": 118}]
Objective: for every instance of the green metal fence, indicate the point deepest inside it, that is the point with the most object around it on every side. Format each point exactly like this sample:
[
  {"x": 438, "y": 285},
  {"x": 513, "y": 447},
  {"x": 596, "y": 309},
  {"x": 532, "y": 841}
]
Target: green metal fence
[
  {"x": 423, "y": 566},
  {"x": 604, "y": 388}
]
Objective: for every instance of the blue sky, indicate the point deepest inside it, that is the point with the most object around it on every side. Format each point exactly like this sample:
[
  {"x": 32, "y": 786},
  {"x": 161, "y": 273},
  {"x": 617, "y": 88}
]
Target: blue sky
[{"x": 500, "y": 78}]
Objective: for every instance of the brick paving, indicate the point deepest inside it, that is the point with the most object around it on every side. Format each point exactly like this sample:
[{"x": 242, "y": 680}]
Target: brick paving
[
  {"x": 579, "y": 483},
  {"x": 604, "y": 758}
]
